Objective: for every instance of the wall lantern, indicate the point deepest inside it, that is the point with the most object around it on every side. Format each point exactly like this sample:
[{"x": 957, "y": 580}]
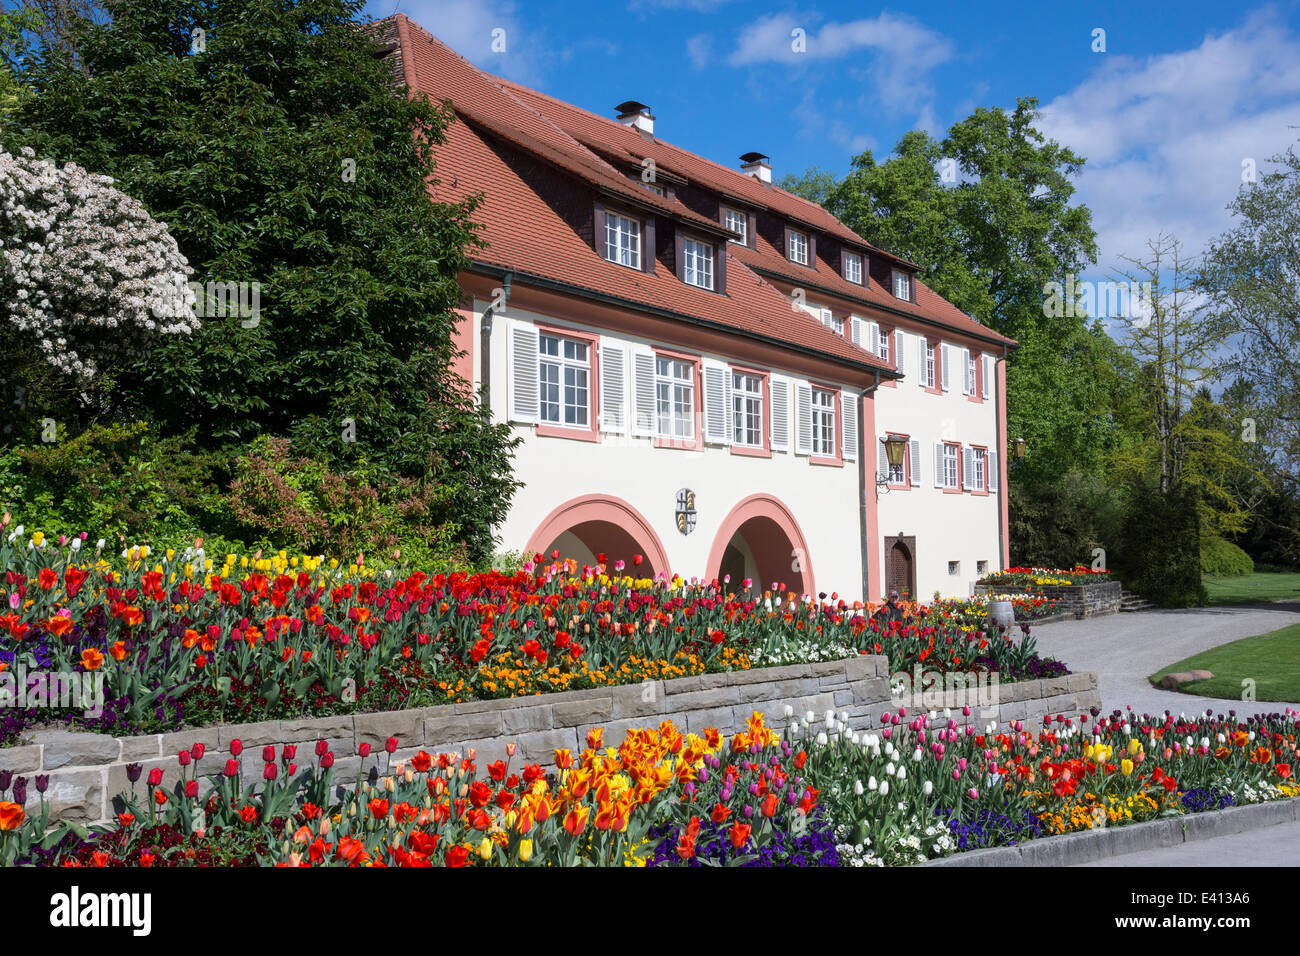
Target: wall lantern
[{"x": 1018, "y": 448}]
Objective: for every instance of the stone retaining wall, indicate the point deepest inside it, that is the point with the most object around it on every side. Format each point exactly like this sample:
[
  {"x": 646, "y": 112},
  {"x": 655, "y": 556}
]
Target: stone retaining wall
[
  {"x": 1081, "y": 600},
  {"x": 88, "y": 770}
]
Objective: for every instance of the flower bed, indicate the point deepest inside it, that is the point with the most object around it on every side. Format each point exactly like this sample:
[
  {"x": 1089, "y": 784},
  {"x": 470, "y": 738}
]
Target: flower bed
[
  {"x": 1030, "y": 578},
  {"x": 178, "y": 641},
  {"x": 819, "y": 794}
]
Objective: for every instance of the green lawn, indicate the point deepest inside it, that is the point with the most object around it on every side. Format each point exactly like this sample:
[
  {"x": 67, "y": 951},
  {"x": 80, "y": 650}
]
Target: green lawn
[
  {"x": 1272, "y": 661},
  {"x": 1260, "y": 586}
]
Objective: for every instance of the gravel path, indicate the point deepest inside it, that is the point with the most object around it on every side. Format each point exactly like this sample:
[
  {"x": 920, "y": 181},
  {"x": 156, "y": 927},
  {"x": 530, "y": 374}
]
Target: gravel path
[{"x": 1124, "y": 648}]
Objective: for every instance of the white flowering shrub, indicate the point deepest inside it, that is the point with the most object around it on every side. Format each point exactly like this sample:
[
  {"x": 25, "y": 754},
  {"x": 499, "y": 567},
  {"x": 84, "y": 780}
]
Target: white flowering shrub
[{"x": 85, "y": 271}]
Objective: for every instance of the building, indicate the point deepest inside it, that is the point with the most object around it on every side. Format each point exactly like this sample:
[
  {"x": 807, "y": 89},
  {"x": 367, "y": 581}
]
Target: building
[{"x": 705, "y": 369}]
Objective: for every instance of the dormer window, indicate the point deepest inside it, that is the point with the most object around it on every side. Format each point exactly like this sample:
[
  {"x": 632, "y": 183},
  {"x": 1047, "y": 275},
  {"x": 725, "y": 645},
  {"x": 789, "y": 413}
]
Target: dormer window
[
  {"x": 697, "y": 263},
  {"x": 738, "y": 223},
  {"x": 798, "y": 248},
  {"x": 903, "y": 286},
  {"x": 622, "y": 240},
  {"x": 853, "y": 267}
]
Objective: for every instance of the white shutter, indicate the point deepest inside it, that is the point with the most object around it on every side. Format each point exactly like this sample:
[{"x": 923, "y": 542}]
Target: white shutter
[
  {"x": 643, "y": 393},
  {"x": 968, "y": 468},
  {"x": 717, "y": 404},
  {"x": 780, "y": 414},
  {"x": 849, "y": 426},
  {"x": 874, "y": 331},
  {"x": 899, "y": 361},
  {"x": 946, "y": 362},
  {"x": 987, "y": 372},
  {"x": 828, "y": 319},
  {"x": 613, "y": 387},
  {"x": 522, "y": 372},
  {"x": 803, "y": 416},
  {"x": 938, "y": 464},
  {"x": 965, "y": 372},
  {"x": 991, "y": 463},
  {"x": 920, "y": 361},
  {"x": 857, "y": 332},
  {"x": 914, "y": 449},
  {"x": 882, "y": 457}
]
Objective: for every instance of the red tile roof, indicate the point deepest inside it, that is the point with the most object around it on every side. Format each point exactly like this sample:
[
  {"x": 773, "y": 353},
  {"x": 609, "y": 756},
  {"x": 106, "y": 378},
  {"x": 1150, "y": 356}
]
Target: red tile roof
[{"x": 526, "y": 235}]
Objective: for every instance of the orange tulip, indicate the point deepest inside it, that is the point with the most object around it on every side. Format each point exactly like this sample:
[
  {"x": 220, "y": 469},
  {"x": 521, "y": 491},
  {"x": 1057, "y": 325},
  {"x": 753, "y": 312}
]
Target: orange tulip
[
  {"x": 575, "y": 821},
  {"x": 11, "y": 815},
  {"x": 91, "y": 659}
]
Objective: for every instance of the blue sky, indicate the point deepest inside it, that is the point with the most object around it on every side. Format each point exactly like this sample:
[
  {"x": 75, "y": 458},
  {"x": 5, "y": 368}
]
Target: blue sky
[{"x": 1182, "y": 96}]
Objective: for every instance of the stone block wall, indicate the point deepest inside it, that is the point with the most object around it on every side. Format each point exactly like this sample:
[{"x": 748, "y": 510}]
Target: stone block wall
[
  {"x": 1081, "y": 600},
  {"x": 88, "y": 770}
]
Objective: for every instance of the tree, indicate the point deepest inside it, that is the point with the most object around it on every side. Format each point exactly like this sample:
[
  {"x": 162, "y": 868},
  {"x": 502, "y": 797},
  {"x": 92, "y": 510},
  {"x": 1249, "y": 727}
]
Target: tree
[
  {"x": 1252, "y": 274},
  {"x": 1175, "y": 341},
  {"x": 272, "y": 141}
]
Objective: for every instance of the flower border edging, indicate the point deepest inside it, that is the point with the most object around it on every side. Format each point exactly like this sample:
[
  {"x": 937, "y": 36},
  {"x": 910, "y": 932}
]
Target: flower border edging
[{"x": 1072, "y": 849}]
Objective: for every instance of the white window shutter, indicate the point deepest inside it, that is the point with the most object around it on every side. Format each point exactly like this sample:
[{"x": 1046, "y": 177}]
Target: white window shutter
[
  {"x": 882, "y": 457},
  {"x": 968, "y": 468},
  {"x": 803, "y": 415},
  {"x": 613, "y": 387},
  {"x": 643, "y": 393},
  {"x": 780, "y": 414},
  {"x": 914, "y": 450},
  {"x": 965, "y": 366},
  {"x": 849, "y": 426},
  {"x": 920, "y": 361},
  {"x": 987, "y": 372},
  {"x": 716, "y": 404},
  {"x": 899, "y": 361},
  {"x": 522, "y": 372},
  {"x": 946, "y": 362},
  {"x": 991, "y": 463},
  {"x": 828, "y": 319},
  {"x": 874, "y": 328},
  {"x": 856, "y": 331},
  {"x": 938, "y": 464}
]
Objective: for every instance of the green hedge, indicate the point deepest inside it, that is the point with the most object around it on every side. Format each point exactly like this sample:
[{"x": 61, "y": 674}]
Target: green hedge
[{"x": 1222, "y": 558}]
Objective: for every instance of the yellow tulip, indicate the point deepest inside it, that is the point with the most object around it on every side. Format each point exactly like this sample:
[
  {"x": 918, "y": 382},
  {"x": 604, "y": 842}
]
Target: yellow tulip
[
  {"x": 1126, "y": 767},
  {"x": 38, "y": 537},
  {"x": 1134, "y": 746},
  {"x": 485, "y": 849},
  {"x": 525, "y": 850}
]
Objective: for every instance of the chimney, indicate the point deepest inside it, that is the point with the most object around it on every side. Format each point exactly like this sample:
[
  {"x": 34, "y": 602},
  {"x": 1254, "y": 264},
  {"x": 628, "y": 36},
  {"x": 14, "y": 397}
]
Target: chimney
[
  {"x": 638, "y": 116},
  {"x": 758, "y": 166}
]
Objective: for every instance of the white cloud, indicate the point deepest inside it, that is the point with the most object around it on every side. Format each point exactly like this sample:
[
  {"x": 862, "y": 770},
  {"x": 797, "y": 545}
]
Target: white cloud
[
  {"x": 699, "y": 50},
  {"x": 901, "y": 54},
  {"x": 1165, "y": 136}
]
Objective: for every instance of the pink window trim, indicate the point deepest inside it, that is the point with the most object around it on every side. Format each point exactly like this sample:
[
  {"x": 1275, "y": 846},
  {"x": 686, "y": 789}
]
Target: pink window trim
[
  {"x": 592, "y": 432},
  {"x": 958, "y": 489},
  {"x": 982, "y": 492},
  {"x": 838, "y": 411},
  {"x": 697, "y": 392},
  {"x": 746, "y": 450}
]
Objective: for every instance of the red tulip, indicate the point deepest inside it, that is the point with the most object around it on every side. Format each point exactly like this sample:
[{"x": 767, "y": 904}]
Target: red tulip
[
  {"x": 236, "y": 747},
  {"x": 391, "y": 744}
]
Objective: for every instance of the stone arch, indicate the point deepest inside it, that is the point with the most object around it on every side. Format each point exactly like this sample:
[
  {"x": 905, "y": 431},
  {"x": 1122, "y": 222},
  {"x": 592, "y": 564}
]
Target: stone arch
[
  {"x": 601, "y": 524},
  {"x": 771, "y": 537}
]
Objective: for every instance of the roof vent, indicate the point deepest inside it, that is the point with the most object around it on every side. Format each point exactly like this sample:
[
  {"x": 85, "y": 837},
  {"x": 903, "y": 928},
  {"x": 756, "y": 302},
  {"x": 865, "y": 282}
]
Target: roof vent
[
  {"x": 638, "y": 116},
  {"x": 757, "y": 165}
]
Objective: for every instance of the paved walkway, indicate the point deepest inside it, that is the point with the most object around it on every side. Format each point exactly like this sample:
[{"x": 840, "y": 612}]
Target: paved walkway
[
  {"x": 1278, "y": 845},
  {"x": 1125, "y": 648}
]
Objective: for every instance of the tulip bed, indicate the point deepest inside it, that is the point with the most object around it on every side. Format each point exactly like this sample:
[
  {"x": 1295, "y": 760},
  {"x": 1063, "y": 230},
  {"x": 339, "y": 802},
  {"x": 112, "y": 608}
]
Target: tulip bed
[
  {"x": 817, "y": 795},
  {"x": 1028, "y": 578},
  {"x": 182, "y": 640}
]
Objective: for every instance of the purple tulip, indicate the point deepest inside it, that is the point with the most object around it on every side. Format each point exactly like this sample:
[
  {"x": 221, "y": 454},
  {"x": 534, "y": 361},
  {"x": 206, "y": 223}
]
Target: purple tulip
[
  {"x": 20, "y": 790},
  {"x": 133, "y": 772},
  {"x": 748, "y": 812},
  {"x": 42, "y": 782}
]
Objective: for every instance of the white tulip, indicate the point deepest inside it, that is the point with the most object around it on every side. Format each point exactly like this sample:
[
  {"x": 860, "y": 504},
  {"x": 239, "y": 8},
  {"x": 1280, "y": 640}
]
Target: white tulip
[
  {"x": 871, "y": 783},
  {"x": 884, "y": 788},
  {"x": 857, "y": 788},
  {"x": 789, "y": 711},
  {"x": 810, "y": 718},
  {"x": 890, "y": 768},
  {"x": 902, "y": 773},
  {"x": 821, "y": 740},
  {"x": 916, "y": 755},
  {"x": 830, "y": 716},
  {"x": 927, "y": 788}
]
